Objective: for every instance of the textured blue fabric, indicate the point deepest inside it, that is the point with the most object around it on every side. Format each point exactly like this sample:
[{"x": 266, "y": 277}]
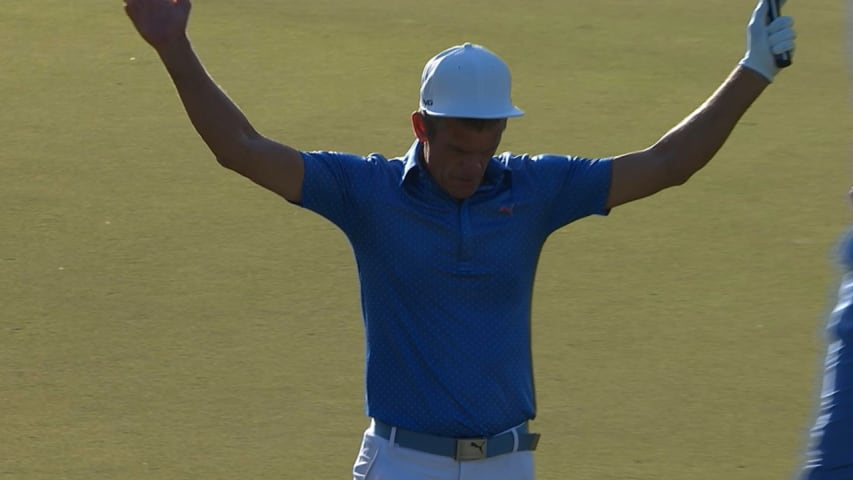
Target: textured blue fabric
[
  {"x": 845, "y": 250},
  {"x": 446, "y": 285},
  {"x": 830, "y": 455}
]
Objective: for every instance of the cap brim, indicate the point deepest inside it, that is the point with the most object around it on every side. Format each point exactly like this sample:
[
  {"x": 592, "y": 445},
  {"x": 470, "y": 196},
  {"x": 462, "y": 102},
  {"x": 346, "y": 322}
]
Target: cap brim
[{"x": 511, "y": 113}]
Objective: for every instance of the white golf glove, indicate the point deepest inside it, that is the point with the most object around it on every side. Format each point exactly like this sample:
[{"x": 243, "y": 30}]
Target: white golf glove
[{"x": 766, "y": 40}]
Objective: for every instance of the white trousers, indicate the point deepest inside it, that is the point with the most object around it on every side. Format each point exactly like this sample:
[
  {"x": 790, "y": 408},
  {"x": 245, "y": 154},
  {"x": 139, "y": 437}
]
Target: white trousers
[{"x": 379, "y": 459}]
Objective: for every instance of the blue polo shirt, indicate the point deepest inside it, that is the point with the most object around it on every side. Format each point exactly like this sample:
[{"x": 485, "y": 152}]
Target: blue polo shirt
[{"x": 446, "y": 285}]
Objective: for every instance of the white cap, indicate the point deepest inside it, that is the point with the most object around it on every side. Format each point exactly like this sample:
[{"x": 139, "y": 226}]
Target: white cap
[{"x": 467, "y": 81}]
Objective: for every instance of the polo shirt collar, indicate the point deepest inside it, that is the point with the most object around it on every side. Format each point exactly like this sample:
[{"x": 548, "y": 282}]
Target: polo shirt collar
[
  {"x": 496, "y": 171},
  {"x": 412, "y": 165}
]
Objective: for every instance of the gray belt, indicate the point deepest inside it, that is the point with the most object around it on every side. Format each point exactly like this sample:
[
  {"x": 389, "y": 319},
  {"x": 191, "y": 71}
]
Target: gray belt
[{"x": 461, "y": 449}]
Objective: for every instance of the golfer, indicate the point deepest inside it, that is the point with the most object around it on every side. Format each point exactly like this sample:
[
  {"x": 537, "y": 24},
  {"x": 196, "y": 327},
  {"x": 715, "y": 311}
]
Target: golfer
[
  {"x": 830, "y": 453},
  {"x": 447, "y": 237}
]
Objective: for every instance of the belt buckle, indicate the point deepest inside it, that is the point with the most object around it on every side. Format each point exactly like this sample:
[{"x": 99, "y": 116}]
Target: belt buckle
[{"x": 468, "y": 449}]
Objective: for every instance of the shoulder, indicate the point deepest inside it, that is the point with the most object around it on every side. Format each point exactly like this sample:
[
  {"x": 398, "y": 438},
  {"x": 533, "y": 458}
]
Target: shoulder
[
  {"x": 550, "y": 164},
  {"x": 337, "y": 175},
  {"x": 515, "y": 160},
  {"x": 331, "y": 156},
  {"x": 350, "y": 163}
]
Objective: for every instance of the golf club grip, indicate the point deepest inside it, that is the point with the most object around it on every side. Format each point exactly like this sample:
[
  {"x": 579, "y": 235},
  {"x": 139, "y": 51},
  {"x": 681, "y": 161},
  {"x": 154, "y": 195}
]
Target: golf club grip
[{"x": 782, "y": 59}]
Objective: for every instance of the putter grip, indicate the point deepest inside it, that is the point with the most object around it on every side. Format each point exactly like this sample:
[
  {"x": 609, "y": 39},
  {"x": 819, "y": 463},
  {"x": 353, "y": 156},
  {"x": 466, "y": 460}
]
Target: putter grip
[{"x": 782, "y": 59}]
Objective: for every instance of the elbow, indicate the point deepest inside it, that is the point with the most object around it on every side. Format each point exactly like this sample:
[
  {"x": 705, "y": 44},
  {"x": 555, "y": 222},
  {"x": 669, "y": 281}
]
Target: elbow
[
  {"x": 232, "y": 154},
  {"x": 226, "y": 161},
  {"x": 679, "y": 176},
  {"x": 677, "y": 169},
  {"x": 680, "y": 160}
]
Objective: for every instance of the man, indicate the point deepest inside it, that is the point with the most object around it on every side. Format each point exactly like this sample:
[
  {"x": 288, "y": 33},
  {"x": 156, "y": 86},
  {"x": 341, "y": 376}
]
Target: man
[
  {"x": 447, "y": 237},
  {"x": 830, "y": 455}
]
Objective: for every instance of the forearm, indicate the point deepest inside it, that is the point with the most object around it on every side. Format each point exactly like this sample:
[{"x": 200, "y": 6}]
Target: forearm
[
  {"x": 219, "y": 122},
  {"x": 689, "y": 146}
]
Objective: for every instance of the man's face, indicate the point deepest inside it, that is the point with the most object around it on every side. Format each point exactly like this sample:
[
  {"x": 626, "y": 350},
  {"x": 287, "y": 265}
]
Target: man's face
[{"x": 456, "y": 155}]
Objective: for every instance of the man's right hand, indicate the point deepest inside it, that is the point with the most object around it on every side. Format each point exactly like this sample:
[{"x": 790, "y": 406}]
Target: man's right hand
[{"x": 159, "y": 22}]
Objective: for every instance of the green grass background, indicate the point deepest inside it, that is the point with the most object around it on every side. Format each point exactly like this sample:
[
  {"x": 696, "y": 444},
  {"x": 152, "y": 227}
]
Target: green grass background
[{"x": 162, "y": 318}]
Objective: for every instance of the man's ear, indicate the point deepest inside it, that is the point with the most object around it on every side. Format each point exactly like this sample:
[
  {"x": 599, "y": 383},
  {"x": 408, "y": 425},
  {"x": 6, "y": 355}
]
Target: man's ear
[{"x": 419, "y": 126}]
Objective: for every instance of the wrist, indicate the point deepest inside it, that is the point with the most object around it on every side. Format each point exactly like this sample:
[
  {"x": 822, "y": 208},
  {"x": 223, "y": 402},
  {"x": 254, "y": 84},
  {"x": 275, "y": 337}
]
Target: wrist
[
  {"x": 749, "y": 84},
  {"x": 764, "y": 72},
  {"x": 172, "y": 48},
  {"x": 167, "y": 45}
]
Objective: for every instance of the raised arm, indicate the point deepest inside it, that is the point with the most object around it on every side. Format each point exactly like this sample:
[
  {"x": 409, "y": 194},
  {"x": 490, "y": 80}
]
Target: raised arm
[
  {"x": 219, "y": 122},
  {"x": 691, "y": 144}
]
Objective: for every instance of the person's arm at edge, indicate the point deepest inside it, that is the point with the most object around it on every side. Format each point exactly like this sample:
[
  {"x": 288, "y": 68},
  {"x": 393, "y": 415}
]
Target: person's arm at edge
[
  {"x": 688, "y": 146},
  {"x": 226, "y": 131}
]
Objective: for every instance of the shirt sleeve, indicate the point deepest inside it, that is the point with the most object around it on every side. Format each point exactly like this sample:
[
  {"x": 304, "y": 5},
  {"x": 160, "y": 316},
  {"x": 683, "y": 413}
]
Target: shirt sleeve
[
  {"x": 578, "y": 187},
  {"x": 330, "y": 185}
]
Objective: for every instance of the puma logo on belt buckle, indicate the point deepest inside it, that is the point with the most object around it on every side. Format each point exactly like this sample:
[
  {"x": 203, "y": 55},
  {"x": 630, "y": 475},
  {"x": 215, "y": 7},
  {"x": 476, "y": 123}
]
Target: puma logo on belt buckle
[{"x": 468, "y": 449}]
